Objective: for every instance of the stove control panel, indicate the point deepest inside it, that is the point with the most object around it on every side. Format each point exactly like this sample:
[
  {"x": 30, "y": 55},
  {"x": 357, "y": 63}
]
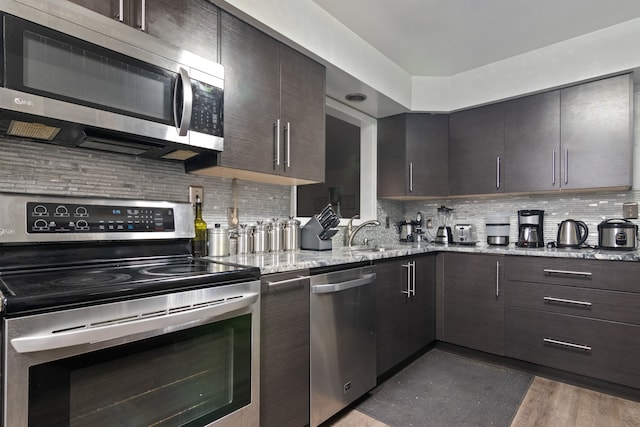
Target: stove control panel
[{"x": 87, "y": 218}]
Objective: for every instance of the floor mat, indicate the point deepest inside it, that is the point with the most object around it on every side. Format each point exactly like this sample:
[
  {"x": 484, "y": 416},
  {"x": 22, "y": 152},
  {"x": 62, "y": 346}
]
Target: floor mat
[{"x": 446, "y": 389}]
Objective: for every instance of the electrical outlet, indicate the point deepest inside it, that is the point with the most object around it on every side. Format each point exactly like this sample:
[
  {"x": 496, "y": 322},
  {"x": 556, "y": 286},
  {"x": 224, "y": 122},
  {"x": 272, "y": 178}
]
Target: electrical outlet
[
  {"x": 195, "y": 190},
  {"x": 630, "y": 210}
]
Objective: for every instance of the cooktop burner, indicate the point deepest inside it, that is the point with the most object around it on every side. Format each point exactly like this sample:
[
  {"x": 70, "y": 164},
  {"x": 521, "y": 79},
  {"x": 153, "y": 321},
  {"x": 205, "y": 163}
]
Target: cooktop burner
[
  {"x": 35, "y": 289},
  {"x": 67, "y": 251}
]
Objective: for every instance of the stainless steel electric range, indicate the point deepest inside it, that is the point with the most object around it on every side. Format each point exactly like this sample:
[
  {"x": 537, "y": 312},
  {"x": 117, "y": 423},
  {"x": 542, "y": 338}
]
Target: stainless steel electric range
[{"x": 107, "y": 319}]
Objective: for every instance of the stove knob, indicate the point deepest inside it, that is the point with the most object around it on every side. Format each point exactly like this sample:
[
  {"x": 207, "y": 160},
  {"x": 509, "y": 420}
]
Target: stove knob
[
  {"x": 62, "y": 210},
  {"x": 40, "y": 210},
  {"x": 81, "y": 211},
  {"x": 41, "y": 225}
]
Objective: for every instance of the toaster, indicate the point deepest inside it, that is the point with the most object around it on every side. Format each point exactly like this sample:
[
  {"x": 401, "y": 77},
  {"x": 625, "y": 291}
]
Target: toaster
[{"x": 464, "y": 234}]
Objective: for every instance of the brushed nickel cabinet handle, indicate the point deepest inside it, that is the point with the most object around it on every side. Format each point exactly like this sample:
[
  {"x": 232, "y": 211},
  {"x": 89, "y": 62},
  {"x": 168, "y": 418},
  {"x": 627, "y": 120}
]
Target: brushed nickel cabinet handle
[
  {"x": 121, "y": 11},
  {"x": 498, "y": 173},
  {"x": 413, "y": 278},
  {"x": 143, "y": 19},
  {"x": 567, "y": 301},
  {"x": 567, "y": 344},
  {"x": 568, "y": 272},
  {"x": 553, "y": 168},
  {"x": 410, "y": 177},
  {"x": 276, "y": 141},
  {"x": 497, "y": 279},
  {"x": 566, "y": 166},
  {"x": 286, "y": 283},
  {"x": 287, "y": 133},
  {"x": 408, "y": 267}
]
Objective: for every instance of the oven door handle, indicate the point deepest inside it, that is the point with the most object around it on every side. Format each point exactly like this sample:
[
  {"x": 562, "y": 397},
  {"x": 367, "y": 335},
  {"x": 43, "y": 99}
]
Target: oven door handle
[{"x": 171, "y": 319}]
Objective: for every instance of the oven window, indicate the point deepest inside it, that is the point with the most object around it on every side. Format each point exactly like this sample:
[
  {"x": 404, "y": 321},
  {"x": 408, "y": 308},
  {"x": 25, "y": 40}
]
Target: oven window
[{"x": 187, "y": 378}]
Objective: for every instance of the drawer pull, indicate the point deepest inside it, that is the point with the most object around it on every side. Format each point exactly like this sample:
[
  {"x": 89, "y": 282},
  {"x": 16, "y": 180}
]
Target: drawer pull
[
  {"x": 567, "y": 272},
  {"x": 567, "y": 344},
  {"x": 568, "y": 301}
]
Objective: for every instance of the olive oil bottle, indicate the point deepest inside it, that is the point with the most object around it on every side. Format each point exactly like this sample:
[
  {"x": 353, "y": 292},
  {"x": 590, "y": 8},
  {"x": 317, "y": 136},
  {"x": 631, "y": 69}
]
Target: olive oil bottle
[{"x": 199, "y": 242}]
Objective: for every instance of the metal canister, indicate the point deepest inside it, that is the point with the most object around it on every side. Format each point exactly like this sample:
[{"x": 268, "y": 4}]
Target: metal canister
[
  {"x": 218, "y": 242},
  {"x": 261, "y": 237},
  {"x": 276, "y": 235},
  {"x": 291, "y": 234},
  {"x": 245, "y": 239}
]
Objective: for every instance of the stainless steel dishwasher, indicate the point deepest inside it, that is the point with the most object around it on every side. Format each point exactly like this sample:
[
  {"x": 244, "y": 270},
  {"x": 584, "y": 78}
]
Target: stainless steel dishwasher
[{"x": 343, "y": 339}]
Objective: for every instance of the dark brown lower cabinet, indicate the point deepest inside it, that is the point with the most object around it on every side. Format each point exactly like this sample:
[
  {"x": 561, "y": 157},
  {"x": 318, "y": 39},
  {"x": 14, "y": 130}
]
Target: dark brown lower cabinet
[
  {"x": 405, "y": 306},
  {"x": 472, "y": 308},
  {"x": 577, "y": 315},
  {"x": 284, "y": 352},
  {"x": 596, "y": 348}
]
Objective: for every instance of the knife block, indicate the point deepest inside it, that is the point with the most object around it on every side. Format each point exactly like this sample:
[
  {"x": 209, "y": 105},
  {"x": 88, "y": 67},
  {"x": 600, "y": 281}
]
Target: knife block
[{"x": 316, "y": 238}]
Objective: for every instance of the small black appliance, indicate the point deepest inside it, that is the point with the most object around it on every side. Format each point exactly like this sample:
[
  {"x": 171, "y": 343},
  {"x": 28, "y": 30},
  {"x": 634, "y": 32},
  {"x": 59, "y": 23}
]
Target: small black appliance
[{"x": 530, "y": 231}]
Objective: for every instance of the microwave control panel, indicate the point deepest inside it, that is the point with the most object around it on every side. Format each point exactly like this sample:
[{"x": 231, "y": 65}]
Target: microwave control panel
[
  {"x": 206, "y": 113},
  {"x": 87, "y": 218}
]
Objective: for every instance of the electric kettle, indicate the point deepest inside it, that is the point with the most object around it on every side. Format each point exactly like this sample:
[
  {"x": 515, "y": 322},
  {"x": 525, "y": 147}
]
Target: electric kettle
[{"x": 572, "y": 234}]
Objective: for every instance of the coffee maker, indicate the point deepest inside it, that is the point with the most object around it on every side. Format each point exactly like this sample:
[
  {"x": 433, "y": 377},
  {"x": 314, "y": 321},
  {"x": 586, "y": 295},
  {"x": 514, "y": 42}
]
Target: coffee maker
[{"x": 530, "y": 232}]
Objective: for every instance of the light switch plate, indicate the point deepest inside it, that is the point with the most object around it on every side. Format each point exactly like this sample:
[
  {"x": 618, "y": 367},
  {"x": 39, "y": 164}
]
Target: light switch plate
[
  {"x": 195, "y": 190},
  {"x": 630, "y": 210}
]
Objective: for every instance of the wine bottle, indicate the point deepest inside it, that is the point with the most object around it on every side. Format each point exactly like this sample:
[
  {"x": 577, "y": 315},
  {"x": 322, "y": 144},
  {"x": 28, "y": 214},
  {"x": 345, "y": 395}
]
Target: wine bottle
[{"x": 199, "y": 242}]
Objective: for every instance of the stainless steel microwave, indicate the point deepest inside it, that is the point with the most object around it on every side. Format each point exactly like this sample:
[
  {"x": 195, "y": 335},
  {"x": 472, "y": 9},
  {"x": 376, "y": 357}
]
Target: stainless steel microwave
[{"x": 74, "y": 77}]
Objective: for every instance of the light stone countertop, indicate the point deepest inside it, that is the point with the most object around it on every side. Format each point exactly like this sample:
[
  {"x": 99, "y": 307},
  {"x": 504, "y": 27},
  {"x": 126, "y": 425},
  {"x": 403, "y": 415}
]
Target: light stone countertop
[{"x": 278, "y": 262}]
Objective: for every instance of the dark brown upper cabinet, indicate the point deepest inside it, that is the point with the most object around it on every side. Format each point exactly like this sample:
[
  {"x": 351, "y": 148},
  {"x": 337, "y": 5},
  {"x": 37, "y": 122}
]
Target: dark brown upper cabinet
[
  {"x": 274, "y": 125},
  {"x": 476, "y": 150},
  {"x": 596, "y": 134},
  {"x": 190, "y": 25},
  {"x": 532, "y": 143},
  {"x": 413, "y": 156}
]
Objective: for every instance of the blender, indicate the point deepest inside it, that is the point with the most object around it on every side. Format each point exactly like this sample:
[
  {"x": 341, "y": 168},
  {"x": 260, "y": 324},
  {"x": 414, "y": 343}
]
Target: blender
[{"x": 444, "y": 234}]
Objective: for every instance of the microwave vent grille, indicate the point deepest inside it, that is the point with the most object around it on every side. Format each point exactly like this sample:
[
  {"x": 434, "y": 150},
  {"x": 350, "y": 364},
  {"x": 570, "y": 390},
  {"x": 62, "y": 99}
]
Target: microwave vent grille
[{"x": 32, "y": 130}]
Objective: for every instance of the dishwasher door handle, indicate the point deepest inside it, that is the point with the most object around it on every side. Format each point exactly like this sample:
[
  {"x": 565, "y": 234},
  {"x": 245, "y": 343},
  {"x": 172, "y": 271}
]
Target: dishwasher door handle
[{"x": 341, "y": 286}]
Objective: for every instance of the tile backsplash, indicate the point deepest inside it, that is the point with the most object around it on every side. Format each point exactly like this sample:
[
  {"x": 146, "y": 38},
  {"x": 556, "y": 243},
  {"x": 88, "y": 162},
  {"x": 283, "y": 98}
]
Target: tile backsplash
[{"x": 33, "y": 167}]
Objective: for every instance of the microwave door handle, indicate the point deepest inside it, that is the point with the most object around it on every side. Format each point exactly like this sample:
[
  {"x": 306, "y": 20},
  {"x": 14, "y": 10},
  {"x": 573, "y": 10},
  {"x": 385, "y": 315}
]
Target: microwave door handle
[{"x": 184, "y": 121}]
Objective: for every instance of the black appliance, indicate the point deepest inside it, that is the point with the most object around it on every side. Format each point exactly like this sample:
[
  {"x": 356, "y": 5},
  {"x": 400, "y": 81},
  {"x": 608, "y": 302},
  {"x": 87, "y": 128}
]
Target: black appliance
[
  {"x": 530, "y": 230},
  {"x": 103, "y": 86},
  {"x": 104, "y": 295}
]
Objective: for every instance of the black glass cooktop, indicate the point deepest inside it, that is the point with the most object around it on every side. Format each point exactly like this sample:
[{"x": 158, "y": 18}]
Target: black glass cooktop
[{"x": 56, "y": 287}]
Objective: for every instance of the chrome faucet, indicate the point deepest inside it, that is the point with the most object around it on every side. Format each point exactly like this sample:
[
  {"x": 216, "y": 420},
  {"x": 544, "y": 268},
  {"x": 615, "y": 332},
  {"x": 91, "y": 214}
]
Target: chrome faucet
[{"x": 351, "y": 232}]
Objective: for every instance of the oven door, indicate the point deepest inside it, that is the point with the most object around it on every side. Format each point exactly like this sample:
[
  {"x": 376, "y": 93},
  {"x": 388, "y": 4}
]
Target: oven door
[{"x": 184, "y": 359}]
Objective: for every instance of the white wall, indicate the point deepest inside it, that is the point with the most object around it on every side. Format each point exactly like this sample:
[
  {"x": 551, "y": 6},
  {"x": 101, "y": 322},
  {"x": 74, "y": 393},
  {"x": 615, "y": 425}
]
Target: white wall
[{"x": 603, "y": 52}]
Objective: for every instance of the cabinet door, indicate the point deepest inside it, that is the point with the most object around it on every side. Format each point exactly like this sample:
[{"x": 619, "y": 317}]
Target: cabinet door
[
  {"x": 108, "y": 8},
  {"x": 391, "y": 309},
  {"x": 532, "y": 143},
  {"x": 392, "y": 159},
  {"x": 284, "y": 353},
  {"x": 427, "y": 155},
  {"x": 596, "y": 133},
  {"x": 190, "y": 25},
  {"x": 421, "y": 316},
  {"x": 413, "y": 151},
  {"x": 252, "y": 96},
  {"x": 473, "y": 311},
  {"x": 302, "y": 116},
  {"x": 476, "y": 150}
]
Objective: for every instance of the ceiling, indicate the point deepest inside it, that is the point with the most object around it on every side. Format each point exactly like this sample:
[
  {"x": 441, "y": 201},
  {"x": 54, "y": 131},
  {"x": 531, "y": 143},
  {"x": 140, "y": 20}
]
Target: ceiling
[{"x": 446, "y": 37}]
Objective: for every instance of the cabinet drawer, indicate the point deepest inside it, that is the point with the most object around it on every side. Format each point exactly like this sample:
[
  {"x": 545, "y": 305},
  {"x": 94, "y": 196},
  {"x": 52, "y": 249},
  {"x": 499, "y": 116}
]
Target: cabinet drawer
[
  {"x": 596, "y": 303},
  {"x": 596, "y": 348},
  {"x": 614, "y": 275}
]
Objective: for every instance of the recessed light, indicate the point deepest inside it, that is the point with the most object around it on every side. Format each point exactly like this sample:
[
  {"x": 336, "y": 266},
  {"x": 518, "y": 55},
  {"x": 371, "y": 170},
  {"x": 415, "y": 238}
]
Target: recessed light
[{"x": 355, "y": 97}]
